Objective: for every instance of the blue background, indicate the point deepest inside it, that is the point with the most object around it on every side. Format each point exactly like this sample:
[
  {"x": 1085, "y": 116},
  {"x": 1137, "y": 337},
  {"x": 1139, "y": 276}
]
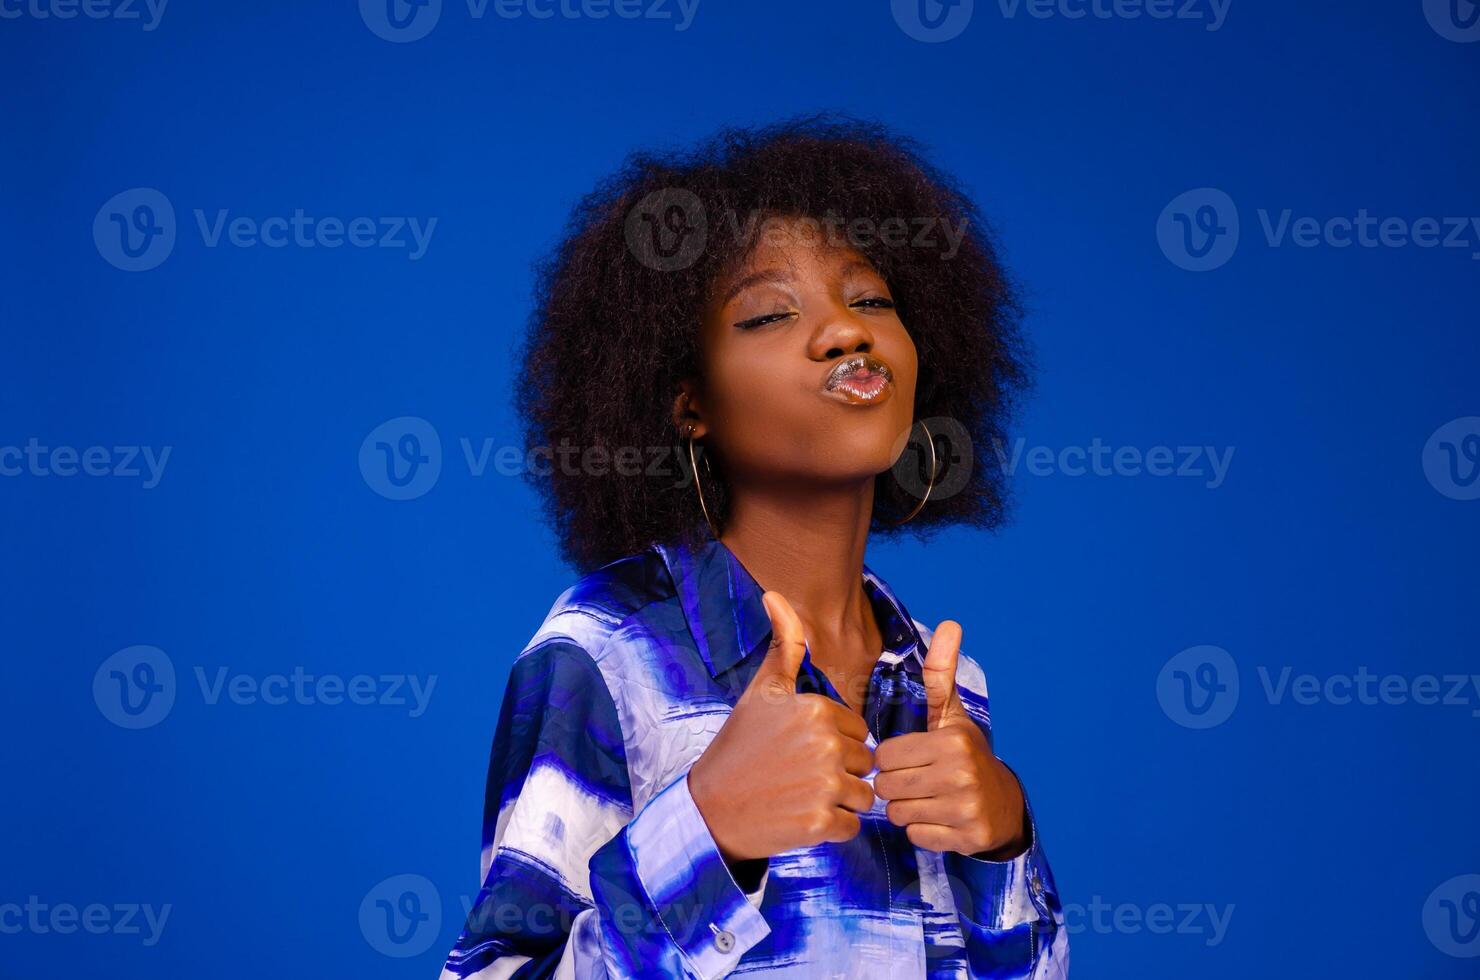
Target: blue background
[{"x": 1327, "y": 828}]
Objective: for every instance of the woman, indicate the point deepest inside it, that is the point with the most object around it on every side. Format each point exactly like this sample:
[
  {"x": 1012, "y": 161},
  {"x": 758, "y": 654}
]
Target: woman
[{"x": 729, "y": 748}]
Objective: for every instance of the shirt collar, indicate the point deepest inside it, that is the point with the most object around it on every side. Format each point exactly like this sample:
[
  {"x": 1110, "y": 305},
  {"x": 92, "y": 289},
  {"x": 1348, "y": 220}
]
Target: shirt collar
[{"x": 721, "y": 601}]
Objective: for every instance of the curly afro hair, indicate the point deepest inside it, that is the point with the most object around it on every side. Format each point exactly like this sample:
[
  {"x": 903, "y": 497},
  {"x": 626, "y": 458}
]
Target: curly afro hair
[{"x": 619, "y": 300}]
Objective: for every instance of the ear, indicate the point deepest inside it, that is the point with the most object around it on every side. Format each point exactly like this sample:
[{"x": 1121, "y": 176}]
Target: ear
[{"x": 687, "y": 409}]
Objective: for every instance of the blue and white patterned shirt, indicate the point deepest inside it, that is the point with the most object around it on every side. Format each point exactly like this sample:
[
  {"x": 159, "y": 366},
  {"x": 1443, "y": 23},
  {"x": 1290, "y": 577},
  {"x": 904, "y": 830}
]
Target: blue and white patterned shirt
[{"x": 597, "y": 863}]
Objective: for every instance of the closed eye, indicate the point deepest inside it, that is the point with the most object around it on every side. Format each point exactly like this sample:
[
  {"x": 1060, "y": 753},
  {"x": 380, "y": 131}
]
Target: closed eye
[
  {"x": 875, "y": 302},
  {"x": 760, "y": 321}
]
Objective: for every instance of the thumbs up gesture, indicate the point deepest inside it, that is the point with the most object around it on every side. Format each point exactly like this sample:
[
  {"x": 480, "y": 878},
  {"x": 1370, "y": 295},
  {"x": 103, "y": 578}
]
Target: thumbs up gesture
[
  {"x": 944, "y": 785},
  {"x": 784, "y": 770}
]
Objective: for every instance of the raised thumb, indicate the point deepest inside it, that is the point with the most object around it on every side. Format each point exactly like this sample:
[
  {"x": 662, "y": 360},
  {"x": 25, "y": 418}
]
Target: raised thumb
[
  {"x": 940, "y": 672},
  {"x": 784, "y": 657}
]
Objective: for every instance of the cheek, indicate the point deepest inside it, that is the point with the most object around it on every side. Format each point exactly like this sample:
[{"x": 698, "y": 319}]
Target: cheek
[
  {"x": 755, "y": 400},
  {"x": 906, "y": 364}
]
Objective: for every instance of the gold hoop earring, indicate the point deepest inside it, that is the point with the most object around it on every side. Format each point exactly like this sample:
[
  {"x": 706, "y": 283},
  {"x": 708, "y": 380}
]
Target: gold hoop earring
[
  {"x": 934, "y": 465},
  {"x": 698, "y": 485}
]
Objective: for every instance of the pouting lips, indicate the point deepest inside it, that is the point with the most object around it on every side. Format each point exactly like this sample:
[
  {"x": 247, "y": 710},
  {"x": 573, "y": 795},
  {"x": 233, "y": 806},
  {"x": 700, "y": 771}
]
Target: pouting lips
[{"x": 862, "y": 376}]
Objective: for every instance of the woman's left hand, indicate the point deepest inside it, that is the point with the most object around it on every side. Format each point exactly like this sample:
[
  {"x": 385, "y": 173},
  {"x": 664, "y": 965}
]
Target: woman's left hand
[{"x": 944, "y": 785}]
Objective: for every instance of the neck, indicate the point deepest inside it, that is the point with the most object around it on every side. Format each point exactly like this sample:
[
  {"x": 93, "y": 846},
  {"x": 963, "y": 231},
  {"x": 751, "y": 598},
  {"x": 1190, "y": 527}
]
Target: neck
[{"x": 809, "y": 546}]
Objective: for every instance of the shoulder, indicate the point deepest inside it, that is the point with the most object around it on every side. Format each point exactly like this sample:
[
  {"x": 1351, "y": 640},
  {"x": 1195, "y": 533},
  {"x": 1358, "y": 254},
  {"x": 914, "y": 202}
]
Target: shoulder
[{"x": 603, "y": 603}]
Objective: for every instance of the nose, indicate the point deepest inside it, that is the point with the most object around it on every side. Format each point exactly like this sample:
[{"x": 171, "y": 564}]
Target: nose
[{"x": 840, "y": 334}]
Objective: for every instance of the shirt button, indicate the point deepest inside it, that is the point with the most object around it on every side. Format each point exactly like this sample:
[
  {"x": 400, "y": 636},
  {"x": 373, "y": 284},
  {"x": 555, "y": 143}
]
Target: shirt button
[{"x": 724, "y": 940}]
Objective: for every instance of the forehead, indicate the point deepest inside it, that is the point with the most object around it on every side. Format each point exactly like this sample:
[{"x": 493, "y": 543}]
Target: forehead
[{"x": 785, "y": 250}]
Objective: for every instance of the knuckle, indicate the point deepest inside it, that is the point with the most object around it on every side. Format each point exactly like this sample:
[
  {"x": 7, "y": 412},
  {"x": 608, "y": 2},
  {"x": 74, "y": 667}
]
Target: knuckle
[
  {"x": 815, "y": 825},
  {"x": 818, "y": 743},
  {"x": 845, "y": 827},
  {"x": 832, "y": 784}
]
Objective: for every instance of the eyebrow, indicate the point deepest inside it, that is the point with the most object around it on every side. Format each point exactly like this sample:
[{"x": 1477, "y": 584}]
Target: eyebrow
[
  {"x": 755, "y": 279},
  {"x": 782, "y": 276}
]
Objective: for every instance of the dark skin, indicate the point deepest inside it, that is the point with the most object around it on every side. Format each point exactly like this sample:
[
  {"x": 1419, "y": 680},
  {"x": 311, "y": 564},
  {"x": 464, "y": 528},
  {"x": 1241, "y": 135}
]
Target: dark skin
[{"x": 800, "y": 462}]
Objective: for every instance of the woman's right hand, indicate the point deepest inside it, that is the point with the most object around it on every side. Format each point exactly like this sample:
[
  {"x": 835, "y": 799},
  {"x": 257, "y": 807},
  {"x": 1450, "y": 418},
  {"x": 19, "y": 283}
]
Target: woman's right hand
[{"x": 784, "y": 770}]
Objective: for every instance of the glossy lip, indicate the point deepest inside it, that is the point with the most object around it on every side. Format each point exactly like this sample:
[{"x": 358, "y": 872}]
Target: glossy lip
[{"x": 834, "y": 381}]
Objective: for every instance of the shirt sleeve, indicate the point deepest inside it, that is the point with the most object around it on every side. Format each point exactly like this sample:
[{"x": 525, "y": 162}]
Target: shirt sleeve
[
  {"x": 1010, "y": 911},
  {"x": 575, "y": 884}
]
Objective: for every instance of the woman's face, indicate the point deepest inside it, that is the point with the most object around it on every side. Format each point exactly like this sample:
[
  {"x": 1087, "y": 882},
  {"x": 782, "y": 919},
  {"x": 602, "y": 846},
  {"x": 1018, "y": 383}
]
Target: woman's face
[{"x": 809, "y": 375}]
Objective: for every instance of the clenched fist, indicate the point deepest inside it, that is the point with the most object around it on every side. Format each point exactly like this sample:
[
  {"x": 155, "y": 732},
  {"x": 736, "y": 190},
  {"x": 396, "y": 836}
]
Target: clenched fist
[
  {"x": 784, "y": 770},
  {"x": 944, "y": 785}
]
